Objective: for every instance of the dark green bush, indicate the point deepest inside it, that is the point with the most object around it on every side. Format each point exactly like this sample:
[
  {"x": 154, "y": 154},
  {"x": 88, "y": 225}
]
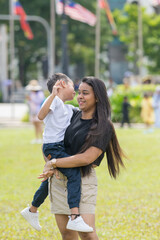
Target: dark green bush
[
  {"x": 0, "y": 96},
  {"x": 74, "y": 101}
]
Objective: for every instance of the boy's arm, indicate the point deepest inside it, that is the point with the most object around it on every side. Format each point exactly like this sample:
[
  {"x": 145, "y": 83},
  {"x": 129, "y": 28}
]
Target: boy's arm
[{"x": 46, "y": 106}]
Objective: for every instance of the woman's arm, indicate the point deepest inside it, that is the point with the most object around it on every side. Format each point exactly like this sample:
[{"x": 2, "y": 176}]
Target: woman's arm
[{"x": 78, "y": 160}]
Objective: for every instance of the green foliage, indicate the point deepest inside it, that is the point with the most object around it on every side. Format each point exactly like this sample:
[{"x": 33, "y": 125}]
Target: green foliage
[
  {"x": 74, "y": 101},
  {"x": 81, "y": 39},
  {"x": 127, "y": 209},
  {"x": 135, "y": 95},
  {"x": 0, "y": 96},
  {"x": 25, "y": 117},
  {"x": 126, "y": 21}
]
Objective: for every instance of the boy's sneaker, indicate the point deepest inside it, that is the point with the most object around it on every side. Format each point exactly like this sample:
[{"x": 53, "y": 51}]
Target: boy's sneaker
[
  {"x": 79, "y": 225},
  {"x": 32, "y": 218}
]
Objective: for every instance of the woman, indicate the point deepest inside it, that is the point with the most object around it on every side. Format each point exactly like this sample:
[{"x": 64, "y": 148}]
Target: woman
[
  {"x": 89, "y": 136},
  {"x": 147, "y": 113}
]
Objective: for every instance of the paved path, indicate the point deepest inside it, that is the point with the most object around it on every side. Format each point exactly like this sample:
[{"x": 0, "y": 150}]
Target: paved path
[{"x": 12, "y": 114}]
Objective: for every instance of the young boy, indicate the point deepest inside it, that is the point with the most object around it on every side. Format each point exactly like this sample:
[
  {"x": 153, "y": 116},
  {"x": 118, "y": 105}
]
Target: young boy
[{"x": 57, "y": 116}]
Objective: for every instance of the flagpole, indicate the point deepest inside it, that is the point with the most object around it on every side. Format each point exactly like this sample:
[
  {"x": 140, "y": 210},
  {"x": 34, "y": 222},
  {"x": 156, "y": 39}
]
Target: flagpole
[
  {"x": 52, "y": 56},
  {"x": 64, "y": 41},
  {"x": 140, "y": 38},
  {"x": 97, "y": 41},
  {"x": 12, "y": 52}
]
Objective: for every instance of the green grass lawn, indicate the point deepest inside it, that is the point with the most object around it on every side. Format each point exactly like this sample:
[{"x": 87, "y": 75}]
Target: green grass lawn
[{"x": 127, "y": 209}]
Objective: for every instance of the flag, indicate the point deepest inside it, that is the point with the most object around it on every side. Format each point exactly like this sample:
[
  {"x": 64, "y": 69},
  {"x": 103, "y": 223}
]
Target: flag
[
  {"x": 155, "y": 3},
  {"x": 18, "y": 10},
  {"x": 76, "y": 12},
  {"x": 104, "y": 4}
]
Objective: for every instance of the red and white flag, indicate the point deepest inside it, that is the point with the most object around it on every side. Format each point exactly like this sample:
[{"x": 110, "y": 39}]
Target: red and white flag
[
  {"x": 76, "y": 12},
  {"x": 155, "y": 3},
  {"x": 104, "y": 4},
  {"x": 18, "y": 10}
]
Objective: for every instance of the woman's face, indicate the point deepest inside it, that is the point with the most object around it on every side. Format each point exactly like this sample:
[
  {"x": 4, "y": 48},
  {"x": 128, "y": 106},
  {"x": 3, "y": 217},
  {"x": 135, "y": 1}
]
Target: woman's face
[{"x": 86, "y": 98}]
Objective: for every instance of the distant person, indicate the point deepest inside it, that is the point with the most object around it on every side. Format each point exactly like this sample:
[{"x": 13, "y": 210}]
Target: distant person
[
  {"x": 8, "y": 85},
  {"x": 111, "y": 85},
  {"x": 156, "y": 106},
  {"x": 35, "y": 98},
  {"x": 76, "y": 84},
  {"x": 147, "y": 113},
  {"x": 125, "y": 112},
  {"x": 147, "y": 80},
  {"x": 57, "y": 117},
  {"x": 126, "y": 79}
]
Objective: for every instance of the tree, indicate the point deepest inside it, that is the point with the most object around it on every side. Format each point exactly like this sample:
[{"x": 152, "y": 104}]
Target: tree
[
  {"x": 81, "y": 39},
  {"x": 127, "y": 26}
]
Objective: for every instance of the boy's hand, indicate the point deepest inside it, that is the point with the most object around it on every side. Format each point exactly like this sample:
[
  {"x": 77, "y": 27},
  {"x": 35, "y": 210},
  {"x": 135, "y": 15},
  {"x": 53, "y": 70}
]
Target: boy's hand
[
  {"x": 47, "y": 167},
  {"x": 56, "y": 87}
]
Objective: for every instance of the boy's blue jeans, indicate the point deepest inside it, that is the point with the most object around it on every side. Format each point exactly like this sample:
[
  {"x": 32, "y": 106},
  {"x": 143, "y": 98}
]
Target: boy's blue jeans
[{"x": 57, "y": 150}]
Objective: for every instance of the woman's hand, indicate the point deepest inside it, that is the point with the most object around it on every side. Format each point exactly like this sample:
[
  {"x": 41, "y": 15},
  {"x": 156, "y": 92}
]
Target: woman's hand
[{"x": 44, "y": 176}]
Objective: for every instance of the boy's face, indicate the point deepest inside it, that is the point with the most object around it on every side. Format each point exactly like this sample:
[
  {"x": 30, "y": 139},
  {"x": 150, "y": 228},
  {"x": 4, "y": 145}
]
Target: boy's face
[{"x": 70, "y": 93}]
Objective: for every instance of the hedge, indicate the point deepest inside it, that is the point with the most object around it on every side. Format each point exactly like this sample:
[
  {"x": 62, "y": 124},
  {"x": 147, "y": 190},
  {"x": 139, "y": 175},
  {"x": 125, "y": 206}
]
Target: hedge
[{"x": 135, "y": 95}]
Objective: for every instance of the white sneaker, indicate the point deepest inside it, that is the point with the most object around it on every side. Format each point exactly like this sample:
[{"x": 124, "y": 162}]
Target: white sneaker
[
  {"x": 32, "y": 218},
  {"x": 79, "y": 225}
]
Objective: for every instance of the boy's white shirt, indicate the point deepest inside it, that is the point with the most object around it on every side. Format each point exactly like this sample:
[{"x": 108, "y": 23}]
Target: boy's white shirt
[{"x": 57, "y": 120}]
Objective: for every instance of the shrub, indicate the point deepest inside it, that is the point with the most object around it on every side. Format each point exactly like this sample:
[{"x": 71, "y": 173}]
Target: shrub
[
  {"x": 74, "y": 101},
  {"x": 25, "y": 118},
  {"x": 135, "y": 95}
]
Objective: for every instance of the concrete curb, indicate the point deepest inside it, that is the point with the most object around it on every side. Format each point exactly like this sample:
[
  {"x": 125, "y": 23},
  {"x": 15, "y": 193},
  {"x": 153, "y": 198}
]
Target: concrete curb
[{"x": 16, "y": 123}]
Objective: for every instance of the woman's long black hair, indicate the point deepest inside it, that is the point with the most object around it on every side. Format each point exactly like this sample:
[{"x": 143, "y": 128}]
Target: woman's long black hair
[{"x": 102, "y": 123}]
